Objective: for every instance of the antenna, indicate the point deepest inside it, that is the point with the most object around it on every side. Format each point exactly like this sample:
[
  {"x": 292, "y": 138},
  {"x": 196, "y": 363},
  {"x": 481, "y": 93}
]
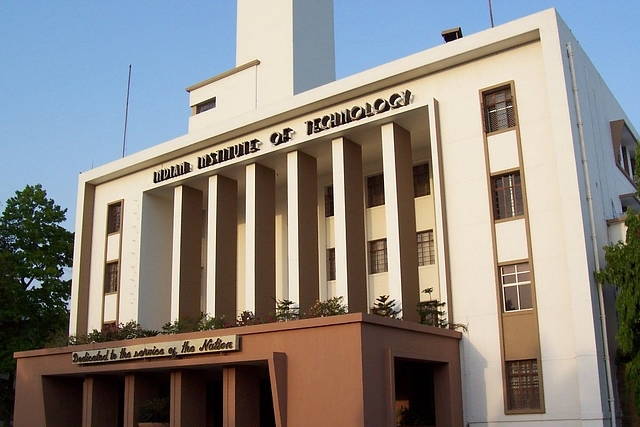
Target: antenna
[
  {"x": 491, "y": 13},
  {"x": 126, "y": 113}
]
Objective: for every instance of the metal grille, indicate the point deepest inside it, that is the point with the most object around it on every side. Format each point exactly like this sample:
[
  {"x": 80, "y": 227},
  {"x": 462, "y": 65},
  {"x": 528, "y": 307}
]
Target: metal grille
[
  {"x": 378, "y": 256},
  {"x": 507, "y": 196},
  {"x": 426, "y": 250},
  {"x": 498, "y": 109},
  {"x": 523, "y": 385}
]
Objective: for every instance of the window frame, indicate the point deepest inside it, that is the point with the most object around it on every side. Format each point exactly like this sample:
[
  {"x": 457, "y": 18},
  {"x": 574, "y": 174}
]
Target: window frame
[
  {"x": 375, "y": 190},
  {"x": 329, "y": 201},
  {"x": 421, "y": 180},
  {"x": 378, "y": 256},
  {"x": 426, "y": 248},
  {"x": 491, "y": 108},
  {"x": 532, "y": 385},
  {"x": 507, "y": 201},
  {"x": 331, "y": 264},
  {"x": 111, "y": 277},
  {"x": 114, "y": 217},
  {"x": 517, "y": 284},
  {"x": 207, "y": 105}
]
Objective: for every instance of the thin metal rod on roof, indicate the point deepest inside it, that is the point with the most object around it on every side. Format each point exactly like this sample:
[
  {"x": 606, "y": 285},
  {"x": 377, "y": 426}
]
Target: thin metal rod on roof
[
  {"x": 126, "y": 113},
  {"x": 491, "y": 13}
]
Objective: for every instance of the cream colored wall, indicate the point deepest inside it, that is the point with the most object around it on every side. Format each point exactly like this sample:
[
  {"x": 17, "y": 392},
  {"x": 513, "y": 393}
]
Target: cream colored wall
[{"x": 235, "y": 94}]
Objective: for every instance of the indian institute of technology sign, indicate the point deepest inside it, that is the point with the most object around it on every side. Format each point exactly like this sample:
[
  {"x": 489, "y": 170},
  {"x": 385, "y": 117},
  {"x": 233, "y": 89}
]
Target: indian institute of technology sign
[
  {"x": 163, "y": 349},
  {"x": 313, "y": 126}
]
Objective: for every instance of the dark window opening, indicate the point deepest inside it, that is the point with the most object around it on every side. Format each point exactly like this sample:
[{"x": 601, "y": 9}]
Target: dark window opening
[
  {"x": 421, "y": 185},
  {"x": 498, "y": 110},
  {"x": 375, "y": 191}
]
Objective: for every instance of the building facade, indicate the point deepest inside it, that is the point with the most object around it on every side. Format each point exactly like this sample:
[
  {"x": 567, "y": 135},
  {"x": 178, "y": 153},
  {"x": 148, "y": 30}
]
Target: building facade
[{"x": 482, "y": 173}]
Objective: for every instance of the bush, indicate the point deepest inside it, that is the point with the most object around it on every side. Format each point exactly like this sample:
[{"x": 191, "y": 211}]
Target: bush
[{"x": 332, "y": 307}]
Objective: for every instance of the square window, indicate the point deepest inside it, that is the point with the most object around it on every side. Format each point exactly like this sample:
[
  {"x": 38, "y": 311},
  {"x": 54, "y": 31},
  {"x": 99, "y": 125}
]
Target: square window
[
  {"x": 421, "y": 185},
  {"x": 523, "y": 385},
  {"x": 375, "y": 190},
  {"x": 114, "y": 217},
  {"x": 426, "y": 250},
  {"x": 507, "y": 195},
  {"x": 516, "y": 287},
  {"x": 498, "y": 110},
  {"x": 378, "y": 256},
  {"x": 111, "y": 278}
]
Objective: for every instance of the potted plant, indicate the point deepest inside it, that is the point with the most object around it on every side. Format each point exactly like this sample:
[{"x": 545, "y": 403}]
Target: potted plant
[{"x": 154, "y": 413}]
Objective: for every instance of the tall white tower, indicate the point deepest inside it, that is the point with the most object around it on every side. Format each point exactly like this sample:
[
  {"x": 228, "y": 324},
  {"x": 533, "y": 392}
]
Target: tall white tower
[{"x": 292, "y": 39}]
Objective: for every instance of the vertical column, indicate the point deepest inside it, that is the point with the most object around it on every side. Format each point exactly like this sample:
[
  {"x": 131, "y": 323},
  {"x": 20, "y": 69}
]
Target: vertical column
[
  {"x": 187, "y": 252},
  {"x": 260, "y": 238},
  {"x": 138, "y": 389},
  {"x": 188, "y": 399},
  {"x": 351, "y": 267},
  {"x": 222, "y": 246},
  {"x": 401, "y": 220},
  {"x": 100, "y": 402},
  {"x": 302, "y": 205},
  {"x": 241, "y": 394}
]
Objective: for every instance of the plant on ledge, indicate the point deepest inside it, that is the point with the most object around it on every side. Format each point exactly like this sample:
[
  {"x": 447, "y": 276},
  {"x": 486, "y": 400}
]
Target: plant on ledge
[
  {"x": 331, "y": 307},
  {"x": 432, "y": 313},
  {"x": 113, "y": 332},
  {"x": 204, "y": 322},
  {"x": 286, "y": 310},
  {"x": 385, "y": 308}
]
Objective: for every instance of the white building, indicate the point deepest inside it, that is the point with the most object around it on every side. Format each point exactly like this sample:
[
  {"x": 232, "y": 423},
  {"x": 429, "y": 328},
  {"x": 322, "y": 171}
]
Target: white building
[{"x": 502, "y": 153}]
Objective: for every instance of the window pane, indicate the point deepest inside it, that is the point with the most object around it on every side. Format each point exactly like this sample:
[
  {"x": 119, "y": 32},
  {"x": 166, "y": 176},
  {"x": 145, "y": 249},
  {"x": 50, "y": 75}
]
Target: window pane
[
  {"x": 498, "y": 110},
  {"x": 426, "y": 250},
  {"x": 507, "y": 196},
  {"x": 114, "y": 215},
  {"x": 511, "y": 298},
  {"x": 525, "y": 297},
  {"x": 328, "y": 201},
  {"x": 378, "y": 256},
  {"x": 523, "y": 386}
]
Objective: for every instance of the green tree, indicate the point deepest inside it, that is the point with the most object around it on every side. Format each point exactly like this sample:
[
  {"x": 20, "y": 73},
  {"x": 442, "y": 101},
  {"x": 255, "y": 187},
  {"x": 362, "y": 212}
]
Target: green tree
[
  {"x": 35, "y": 249},
  {"x": 623, "y": 272}
]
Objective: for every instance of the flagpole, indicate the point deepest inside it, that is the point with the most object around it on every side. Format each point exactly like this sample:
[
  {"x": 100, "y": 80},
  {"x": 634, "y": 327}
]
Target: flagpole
[{"x": 126, "y": 113}]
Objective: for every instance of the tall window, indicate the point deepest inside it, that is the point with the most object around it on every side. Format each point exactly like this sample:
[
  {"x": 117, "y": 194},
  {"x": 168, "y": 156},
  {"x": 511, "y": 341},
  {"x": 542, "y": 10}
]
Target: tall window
[
  {"x": 523, "y": 385},
  {"x": 421, "y": 185},
  {"x": 426, "y": 252},
  {"x": 507, "y": 195},
  {"x": 375, "y": 190},
  {"x": 114, "y": 217},
  {"x": 516, "y": 287},
  {"x": 331, "y": 264},
  {"x": 498, "y": 110},
  {"x": 378, "y": 256},
  {"x": 328, "y": 201},
  {"x": 111, "y": 278}
]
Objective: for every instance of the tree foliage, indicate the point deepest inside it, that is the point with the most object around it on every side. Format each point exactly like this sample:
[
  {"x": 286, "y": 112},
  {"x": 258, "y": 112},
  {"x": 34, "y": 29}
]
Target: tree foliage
[
  {"x": 623, "y": 272},
  {"x": 35, "y": 249}
]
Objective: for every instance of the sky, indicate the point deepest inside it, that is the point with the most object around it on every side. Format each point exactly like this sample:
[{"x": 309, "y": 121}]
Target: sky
[{"x": 64, "y": 68}]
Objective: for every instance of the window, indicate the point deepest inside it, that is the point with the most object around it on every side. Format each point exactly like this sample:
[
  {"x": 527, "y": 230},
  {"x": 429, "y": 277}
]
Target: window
[
  {"x": 516, "y": 287},
  {"x": 523, "y": 385},
  {"x": 421, "y": 185},
  {"x": 378, "y": 256},
  {"x": 375, "y": 191},
  {"x": 206, "y": 105},
  {"x": 426, "y": 252},
  {"x": 111, "y": 278},
  {"x": 507, "y": 195},
  {"x": 331, "y": 264},
  {"x": 114, "y": 217},
  {"x": 498, "y": 110},
  {"x": 328, "y": 201}
]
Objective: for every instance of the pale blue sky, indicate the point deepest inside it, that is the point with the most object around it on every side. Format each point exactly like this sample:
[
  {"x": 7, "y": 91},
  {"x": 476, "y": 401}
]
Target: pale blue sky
[{"x": 64, "y": 65}]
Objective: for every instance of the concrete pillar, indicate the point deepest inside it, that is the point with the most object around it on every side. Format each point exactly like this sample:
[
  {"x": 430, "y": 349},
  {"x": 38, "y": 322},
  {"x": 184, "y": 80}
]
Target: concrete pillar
[
  {"x": 188, "y": 399},
  {"x": 302, "y": 197},
  {"x": 138, "y": 388},
  {"x": 260, "y": 239},
  {"x": 402, "y": 252},
  {"x": 100, "y": 402},
  {"x": 222, "y": 247},
  {"x": 351, "y": 266},
  {"x": 241, "y": 396},
  {"x": 187, "y": 253}
]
